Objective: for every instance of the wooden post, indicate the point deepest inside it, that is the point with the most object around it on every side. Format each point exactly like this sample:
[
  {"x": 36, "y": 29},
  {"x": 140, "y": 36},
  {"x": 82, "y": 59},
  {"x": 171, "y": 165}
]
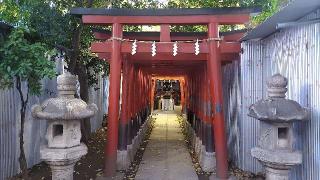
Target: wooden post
[
  {"x": 129, "y": 103},
  {"x": 114, "y": 95},
  {"x": 124, "y": 108},
  {"x": 165, "y": 33},
  {"x": 214, "y": 66},
  {"x": 152, "y": 93},
  {"x": 182, "y": 95}
]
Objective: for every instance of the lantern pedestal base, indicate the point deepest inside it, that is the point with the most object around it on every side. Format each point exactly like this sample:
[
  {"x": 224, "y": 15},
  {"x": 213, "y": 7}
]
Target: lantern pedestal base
[
  {"x": 62, "y": 161},
  {"x": 277, "y": 163},
  {"x": 277, "y": 174}
]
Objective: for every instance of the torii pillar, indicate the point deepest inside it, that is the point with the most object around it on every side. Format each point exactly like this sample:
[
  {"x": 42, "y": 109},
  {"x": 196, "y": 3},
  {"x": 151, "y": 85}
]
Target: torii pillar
[
  {"x": 214, "y": 68},
  {"x": 114, "y": 96}
]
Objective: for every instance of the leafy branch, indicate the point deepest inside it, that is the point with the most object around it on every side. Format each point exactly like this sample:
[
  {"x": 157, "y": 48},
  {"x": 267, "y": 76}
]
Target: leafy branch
[{"x": 24, "y": 62}]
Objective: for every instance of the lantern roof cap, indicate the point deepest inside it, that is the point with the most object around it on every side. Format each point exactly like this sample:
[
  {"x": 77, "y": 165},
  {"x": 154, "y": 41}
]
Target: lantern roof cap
[
  {"x": 276, "y": 108},
  {"x": 65, "y": 106}
]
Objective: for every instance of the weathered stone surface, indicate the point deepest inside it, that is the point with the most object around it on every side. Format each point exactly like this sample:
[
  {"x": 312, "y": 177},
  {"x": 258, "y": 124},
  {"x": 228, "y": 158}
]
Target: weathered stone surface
[
  {"x": 62, "y": 161},
  {"x": 276, "y": 107},
  {"x": 63, "y": 134},
  {"x": 123, "y": 160},
  {"x": 277, "y": 86},
  {"x": 277, "y": 114},
  {"x": 269, "y": 136},
  {"x": 57, "y": 155},
  {"x": 277, "y": 158},
  {"x": 208, "y": 162},
  {"x": 277, "y": 174},
  {"x": 63, "y": 108},
  {"x": 278, "y": 110},
  {"x": 125, "y": 157}
]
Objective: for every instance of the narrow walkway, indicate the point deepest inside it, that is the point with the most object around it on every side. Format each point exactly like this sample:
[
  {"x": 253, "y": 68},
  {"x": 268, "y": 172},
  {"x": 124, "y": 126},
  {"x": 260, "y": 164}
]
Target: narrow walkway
[{"x": 166, "y": 156}]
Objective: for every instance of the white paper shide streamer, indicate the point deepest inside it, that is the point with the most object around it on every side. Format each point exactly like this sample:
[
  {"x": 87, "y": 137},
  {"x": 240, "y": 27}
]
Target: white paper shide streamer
[
  {"x": 197, "y": 47},
  {"x": 134, "y": 47},
  {"x": 154, "y": 49},
  {"x": 175, "y": 48}
]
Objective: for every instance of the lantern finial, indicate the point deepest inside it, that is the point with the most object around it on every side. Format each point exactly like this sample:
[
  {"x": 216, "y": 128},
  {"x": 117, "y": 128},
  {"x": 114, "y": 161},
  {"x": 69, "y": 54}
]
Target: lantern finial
[{"x": 277, "y": 86}]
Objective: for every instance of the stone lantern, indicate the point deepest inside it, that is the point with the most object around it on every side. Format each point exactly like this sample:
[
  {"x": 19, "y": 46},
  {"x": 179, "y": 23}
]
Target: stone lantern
[
  {"x": 63, "y": 134},
  {"x": 277, "y": 115}
]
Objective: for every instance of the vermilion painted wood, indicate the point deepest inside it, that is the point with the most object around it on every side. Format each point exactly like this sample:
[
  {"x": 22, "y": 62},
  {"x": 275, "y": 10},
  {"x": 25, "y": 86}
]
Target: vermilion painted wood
[
  {"x": 167, "y": 57},
  {"x": 165, "y": 33},
  {"x": 113, "y": 112},
  {"x": 169, "y": 72},
  {"x": 125, "y": 91},
  {"x": 182, "y": 94},
  {"x": 156, "y": 20},
  {"x": 198, "y": 82},
  {"x": 202, "y": 137},
  {"x": 233, "y": 37},
  {"x": 202, "y": 94},
  {"x": 147, "y": 58},
  {"x": 130, "y": 81},
  {"x": 180, "y": 58},
  {"x": 164, "y": 47},
  {"x": 104, "y": 36},
  {"x": 142, "y": 66},
  {"x": 163, "y": 67},
  {"x": 228, "y": 38},
  {"x": 207, "y": 95},
  {"x": 230, "y": 47},
  {"x": 135, "y": 88},
  {"x": 145, "y": 47},
  {"x": 124, "y": 108},
  {"x": 152, "y": 94},
  {"x": 214, "y": 67}
]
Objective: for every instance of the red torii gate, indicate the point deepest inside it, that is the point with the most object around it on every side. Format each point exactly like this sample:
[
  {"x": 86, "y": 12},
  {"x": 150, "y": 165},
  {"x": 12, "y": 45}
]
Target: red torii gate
[{"x": 198, "y": 70}]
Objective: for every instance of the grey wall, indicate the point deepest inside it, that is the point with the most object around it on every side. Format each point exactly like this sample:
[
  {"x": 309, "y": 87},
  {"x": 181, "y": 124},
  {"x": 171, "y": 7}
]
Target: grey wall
[
  {"x": 295, "y": 53},
  {"x": 34, "y": 129}
]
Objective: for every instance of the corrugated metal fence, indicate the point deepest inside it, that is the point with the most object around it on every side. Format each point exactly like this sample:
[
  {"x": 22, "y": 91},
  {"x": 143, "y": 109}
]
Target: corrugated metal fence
[
  {"x": 34, "y": 129},
  {"x": 295, "y": 53}
]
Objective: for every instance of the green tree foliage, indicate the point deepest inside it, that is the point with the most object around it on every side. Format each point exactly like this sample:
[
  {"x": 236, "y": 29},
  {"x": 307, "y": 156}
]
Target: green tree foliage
[
  {"x": 24, "y": 62},
  {"x": 268, "y": 7},
  {"x": 57, "y": 29},
  {"x": 13, "y": 13},
  {"x": 52, "y": 25}
]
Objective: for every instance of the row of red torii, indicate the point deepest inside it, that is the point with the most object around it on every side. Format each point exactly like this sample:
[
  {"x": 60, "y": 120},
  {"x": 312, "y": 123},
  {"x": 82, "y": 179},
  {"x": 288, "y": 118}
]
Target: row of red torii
[{"x": 143, "y": 57}]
